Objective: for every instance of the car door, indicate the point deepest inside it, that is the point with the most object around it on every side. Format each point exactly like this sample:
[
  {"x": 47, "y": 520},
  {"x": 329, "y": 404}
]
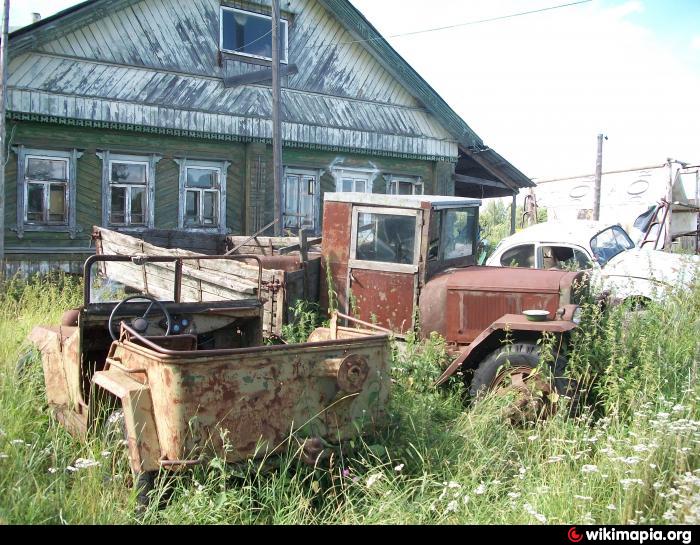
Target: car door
[{"x": 383, "y": 266}]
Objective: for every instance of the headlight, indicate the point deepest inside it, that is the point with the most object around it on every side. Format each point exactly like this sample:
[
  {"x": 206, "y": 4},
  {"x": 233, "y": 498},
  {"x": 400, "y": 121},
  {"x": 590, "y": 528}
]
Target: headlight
[{"x": 576, "y": 316}]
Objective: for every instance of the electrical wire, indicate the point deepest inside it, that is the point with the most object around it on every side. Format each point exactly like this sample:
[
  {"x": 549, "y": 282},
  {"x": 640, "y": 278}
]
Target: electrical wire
[{"x": 425, "y": 31}]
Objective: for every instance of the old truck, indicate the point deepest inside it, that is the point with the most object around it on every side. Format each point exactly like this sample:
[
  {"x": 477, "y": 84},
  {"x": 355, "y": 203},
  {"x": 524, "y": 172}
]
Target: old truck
[
  {"x": 193, "y": 380},
  {"x": 408, "y": 262}
]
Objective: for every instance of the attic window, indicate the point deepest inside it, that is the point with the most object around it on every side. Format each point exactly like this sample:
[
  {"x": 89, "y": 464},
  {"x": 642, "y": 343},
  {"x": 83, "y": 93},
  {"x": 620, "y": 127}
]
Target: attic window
[{"x": 250, "y": 34}]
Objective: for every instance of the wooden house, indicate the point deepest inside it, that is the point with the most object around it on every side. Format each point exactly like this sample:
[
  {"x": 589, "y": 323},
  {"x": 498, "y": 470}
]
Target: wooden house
[{"x": 139, "y": 114}]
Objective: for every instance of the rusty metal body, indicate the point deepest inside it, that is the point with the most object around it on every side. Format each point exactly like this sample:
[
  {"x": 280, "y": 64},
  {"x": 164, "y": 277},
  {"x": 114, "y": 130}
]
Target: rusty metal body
[
  {"x": 396, "y": 259},
  {"x": 214, "y": 389}
]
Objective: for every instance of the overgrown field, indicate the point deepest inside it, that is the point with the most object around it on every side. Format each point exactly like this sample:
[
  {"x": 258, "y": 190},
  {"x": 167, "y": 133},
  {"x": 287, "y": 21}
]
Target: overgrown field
[{"x": 630, "y": 456}]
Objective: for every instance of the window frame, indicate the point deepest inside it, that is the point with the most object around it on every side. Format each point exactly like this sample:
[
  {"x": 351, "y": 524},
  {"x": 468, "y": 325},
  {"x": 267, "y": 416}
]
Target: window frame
[
  {"x": 354, "y": 263},
  {"x": 415, "y": 181},
  {"x": 355, "y": 174},
  {"x": 539, "y": 253},
  {"x": 518, "y": 246},
  {"x": 108, "y": 158},
  {"x": 222, "y": 168},
  {"x": 283, "y": 21},
  {"x": 71, "y": 157}
]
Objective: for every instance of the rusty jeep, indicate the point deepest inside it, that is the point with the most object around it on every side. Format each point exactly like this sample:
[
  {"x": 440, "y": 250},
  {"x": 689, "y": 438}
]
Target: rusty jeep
[
  {"x": 407, "y": 263},
  {"x": 194, "y": 380}
]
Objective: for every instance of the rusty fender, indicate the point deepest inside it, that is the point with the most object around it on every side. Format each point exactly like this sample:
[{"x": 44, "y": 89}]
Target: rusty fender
[
  {"x": 141, "y": 435},
  {"x": 509, "y": 322}
]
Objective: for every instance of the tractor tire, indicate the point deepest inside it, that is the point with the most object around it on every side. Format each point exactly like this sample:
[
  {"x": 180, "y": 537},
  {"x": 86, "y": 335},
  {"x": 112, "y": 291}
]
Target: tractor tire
[{"x": 523, "y": 355}]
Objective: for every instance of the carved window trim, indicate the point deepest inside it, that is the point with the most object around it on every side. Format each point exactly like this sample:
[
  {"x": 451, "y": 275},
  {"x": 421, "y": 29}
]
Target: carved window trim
[
  {"x": 222, "y": 167},
  {"x": 108, "y": 157},
  {"x": 71, "y": 156}
]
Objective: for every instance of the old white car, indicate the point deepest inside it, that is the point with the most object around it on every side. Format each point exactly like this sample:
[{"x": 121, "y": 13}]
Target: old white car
[{"x": 616, "y": 264}]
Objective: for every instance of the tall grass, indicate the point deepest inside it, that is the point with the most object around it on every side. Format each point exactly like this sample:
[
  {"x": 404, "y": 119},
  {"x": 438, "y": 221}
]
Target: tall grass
[{"x": 630, "y": 456}]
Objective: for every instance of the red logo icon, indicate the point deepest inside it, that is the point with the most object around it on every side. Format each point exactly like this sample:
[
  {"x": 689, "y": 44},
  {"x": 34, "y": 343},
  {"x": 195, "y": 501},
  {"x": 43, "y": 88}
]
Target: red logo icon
[{"x": 574, "y": 536}]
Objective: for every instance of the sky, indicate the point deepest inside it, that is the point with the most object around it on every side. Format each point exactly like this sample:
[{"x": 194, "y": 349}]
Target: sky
[{"x": 539, "y": 88}]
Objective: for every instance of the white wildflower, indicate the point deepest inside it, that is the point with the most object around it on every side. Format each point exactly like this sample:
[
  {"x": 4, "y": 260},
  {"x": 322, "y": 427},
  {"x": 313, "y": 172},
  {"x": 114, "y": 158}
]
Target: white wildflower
[
  {"x": 481, "y": 489},
  {"x": 451, "y": 507},
  {"x": 514, "y": 495},
  {"x": 17, "y": 442},
  {"x": 83, "y": 463},
  {"x": 3, "y": 456},
  {"x": 627, "y": 483},
  {"x": 583, "y": 498},
  {"x": 105, "y": 454},
  {"x": 589, "y": 469},
  {"x": 372, "y": 480},
  {"x": 678, "y": 408},
  {"x": 453, "y": 484},
  {"x": 532, "y": 511},
  {"x": 555, "y": 459},
  {"x": 533, "y": 438},
  {"x": 71, "y": 469},
  {"x": 53, "y": 470},
  {"x": 640, "y": 448},
  {"x": 399, "y": 468},
  {"x": 465, "y": 500},
  {"x": 612, "y": 507}
]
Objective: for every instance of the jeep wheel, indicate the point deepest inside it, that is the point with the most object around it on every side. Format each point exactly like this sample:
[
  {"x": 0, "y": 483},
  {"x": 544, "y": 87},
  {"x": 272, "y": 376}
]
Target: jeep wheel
[{"x": 511, "y": 369}]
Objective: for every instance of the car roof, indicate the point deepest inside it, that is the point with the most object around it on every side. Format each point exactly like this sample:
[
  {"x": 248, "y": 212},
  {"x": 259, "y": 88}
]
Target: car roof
[{"x": 578, "y": 232}]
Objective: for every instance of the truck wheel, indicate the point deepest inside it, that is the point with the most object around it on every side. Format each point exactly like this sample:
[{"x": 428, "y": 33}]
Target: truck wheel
[{"x": 510, "y": 368}]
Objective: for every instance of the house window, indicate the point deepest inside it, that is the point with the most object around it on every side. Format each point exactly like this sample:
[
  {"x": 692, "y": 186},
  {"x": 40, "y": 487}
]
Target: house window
[
  {"x": 128, "y": 191},
  {"x": 250, "y": 34},
  {"x": 354, "y": 180},
  {"x": 128, "y": 186},
  {"x": 203, "y": 194},
  {"x": 46, "y": 190},
  {"x": 404, "y": 186}
]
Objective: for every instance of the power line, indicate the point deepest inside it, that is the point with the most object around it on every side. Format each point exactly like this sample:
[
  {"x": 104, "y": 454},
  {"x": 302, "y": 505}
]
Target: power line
[
  {"x": 468, "y": 23},
  {"x": 417, "y": 32}
]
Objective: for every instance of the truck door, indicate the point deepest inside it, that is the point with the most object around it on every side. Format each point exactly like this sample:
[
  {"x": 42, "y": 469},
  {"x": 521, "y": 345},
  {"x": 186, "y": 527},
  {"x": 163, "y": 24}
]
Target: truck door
[{"x": 383, "y": 266}]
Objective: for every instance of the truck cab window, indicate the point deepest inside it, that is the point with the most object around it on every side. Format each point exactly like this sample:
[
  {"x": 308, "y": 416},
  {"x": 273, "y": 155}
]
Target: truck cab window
[{"x": 386, "y": 238}]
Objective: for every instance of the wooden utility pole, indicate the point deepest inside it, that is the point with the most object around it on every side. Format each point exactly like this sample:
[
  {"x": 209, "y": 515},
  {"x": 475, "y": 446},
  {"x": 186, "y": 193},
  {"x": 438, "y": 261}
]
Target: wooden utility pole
[
  {"x": 276, "y": 115},
  {"x": 668, "y": 232},
  {"x": 3, "y": 143},
  {"x": 598, "y": 178}
]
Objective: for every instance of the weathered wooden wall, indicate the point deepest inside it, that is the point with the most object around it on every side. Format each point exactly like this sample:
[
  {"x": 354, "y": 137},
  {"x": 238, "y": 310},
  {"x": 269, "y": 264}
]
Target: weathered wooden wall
[{"x": 249, "y": 182}]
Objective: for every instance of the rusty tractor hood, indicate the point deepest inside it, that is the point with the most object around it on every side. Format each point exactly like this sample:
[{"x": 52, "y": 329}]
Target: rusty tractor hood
[
  {"x": 507, "y": 279},
  {"x": 461, "y": 303}
]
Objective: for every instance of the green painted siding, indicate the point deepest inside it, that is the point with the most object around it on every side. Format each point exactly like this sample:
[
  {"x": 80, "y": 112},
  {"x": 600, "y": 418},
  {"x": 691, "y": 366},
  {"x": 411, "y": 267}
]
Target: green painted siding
[{"x": 250, "y": 191}]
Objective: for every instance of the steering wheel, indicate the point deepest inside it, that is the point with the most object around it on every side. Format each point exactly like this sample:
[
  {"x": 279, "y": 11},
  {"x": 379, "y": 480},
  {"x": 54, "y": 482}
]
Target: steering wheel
[{"x": 140, "y": 325}]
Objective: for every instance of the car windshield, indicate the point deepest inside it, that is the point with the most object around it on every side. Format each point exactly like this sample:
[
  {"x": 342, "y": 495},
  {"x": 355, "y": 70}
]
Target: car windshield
[{"x": 609, "y": 243}]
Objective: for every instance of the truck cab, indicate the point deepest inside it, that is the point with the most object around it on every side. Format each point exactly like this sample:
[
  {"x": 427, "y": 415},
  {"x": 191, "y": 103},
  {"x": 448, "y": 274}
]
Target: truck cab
[{"x": 407, "y": 262}]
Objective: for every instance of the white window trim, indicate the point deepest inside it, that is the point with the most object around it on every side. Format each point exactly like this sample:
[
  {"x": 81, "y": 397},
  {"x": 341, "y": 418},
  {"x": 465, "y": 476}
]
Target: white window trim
[
  {"x": 222, "y": 167},
  {"x": 69, "y": 225},
  {"x": 284, "y": 22},
  {"x": 415, "y": 181},
  {"x": 365, "y": 174},
  {"x": 151, "y": 160}
]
